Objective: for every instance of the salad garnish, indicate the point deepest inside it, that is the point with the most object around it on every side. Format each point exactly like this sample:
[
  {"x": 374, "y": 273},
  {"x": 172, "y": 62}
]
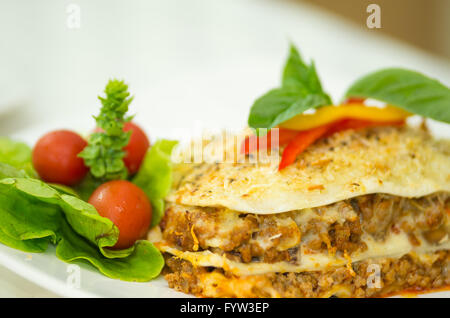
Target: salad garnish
[
  {"x": 155, "y": 176},
  {"x": 300, "y": 90},
  {"x": 44, "y": 193},
  {"x": 16, "y": 154},
  {"x": 409, "y": 90},
  {"x": 33, "y": 215}
]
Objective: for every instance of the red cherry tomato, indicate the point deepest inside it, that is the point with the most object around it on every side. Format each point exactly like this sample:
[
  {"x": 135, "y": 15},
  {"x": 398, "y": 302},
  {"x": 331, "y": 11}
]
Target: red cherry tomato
[
  {"x": 136, "y": 148},
  {"x": 55, "y": 157},
  {"x": 127, "y": 206}
]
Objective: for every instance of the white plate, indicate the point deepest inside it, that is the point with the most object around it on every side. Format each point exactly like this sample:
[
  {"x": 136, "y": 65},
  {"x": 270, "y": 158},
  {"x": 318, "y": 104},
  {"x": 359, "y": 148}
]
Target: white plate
[{"x": 47, "y": 271}]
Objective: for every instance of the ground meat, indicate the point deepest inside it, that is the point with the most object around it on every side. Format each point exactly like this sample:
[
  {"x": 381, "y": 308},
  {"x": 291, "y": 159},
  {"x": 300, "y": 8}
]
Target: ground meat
[
  {"x": 380, "y": 212},
  {"x": 179, "y": 224},
  {"x": 346, "y": 237},
  {"x": 185, "y": 280},
  {"x": 407, "y": 272},
  {"x": 334, "y": 228},
  {"x": 336, "y": 237},
  {"x": 239, "y": 236}
]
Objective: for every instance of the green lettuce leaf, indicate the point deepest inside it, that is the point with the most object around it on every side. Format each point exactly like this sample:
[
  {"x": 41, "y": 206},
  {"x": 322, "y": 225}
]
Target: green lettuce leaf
[
  {"x": 7, "y": 171},
  {"x": 87, "y": 186},
  {"x": 35, "y": 245},
  {"x": 300, "y": 90},
  {"x": 142, "y": 264},
  {"x": 17, "y": 155},
  {"x": 33, "y": 214},
  {"x": 405, "y": 89},
  {"x": 63, "y": 189},
  {"x": 155, "y": 176}
]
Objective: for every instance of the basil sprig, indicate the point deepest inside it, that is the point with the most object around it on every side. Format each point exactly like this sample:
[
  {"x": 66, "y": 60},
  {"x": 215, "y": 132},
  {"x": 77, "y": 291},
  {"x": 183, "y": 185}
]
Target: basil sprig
[
  {"x": 300, "y": 90},
  {"x": 104, "y": 153},
  {"x": 405, "y": 89}
]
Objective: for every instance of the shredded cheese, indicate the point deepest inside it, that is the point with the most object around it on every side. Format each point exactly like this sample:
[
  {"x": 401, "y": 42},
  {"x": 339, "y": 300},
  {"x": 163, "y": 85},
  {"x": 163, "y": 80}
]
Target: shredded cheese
[
  {"x": 194, "y": 237},
  {"x": 349, "y": 264}
]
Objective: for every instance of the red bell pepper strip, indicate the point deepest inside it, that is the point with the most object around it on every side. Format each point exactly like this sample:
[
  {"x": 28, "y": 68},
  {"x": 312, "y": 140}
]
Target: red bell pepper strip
[
  {"x": 354, "y": 100},
  {"x": 300, "y": 142},
  {"x": 307, "y": 137},
  {"x": 350, "y": 123},
  {"x": 254, "y": 143}
]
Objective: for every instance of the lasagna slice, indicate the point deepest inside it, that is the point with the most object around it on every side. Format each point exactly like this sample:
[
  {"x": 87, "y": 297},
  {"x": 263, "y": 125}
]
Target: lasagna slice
[{"x": 359, "y": 214}]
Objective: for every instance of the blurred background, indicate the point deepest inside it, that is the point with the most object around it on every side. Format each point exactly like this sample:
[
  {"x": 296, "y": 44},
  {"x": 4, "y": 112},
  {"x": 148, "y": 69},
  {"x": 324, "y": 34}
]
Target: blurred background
[
  {"x": 424, "y": 24},
  {"x": 196, "y": 61}
]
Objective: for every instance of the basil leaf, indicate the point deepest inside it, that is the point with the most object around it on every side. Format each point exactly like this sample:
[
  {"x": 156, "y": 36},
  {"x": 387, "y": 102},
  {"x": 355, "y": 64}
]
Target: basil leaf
[
  {"x": 281, "y": 104},
  {"x": 300, "y": 90},
  {"x": 266, "y": 108},
  {"x": 405, "y": 89},
  {"x": 304, "y": 78},
  {"x": 104, "y": 153}
]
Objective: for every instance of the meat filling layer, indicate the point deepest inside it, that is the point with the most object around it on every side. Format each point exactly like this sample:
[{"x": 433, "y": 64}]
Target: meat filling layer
[
  {"x": 336, "y": 228},
  {"x": 369, "y": 278}
]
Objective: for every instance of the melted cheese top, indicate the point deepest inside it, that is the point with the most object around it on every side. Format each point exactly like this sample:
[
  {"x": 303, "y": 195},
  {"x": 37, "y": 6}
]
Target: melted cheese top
[{"x": 399, "y": 161}]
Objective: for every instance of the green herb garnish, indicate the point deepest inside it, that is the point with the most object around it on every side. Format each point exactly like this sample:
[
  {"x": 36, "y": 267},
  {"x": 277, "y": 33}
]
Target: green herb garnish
[
  {"x": 16, "y": 154},
  {"x": 104, "y": 153},
  {"x": 300, "y": 90},
  {"x": 409, "y": 90}
]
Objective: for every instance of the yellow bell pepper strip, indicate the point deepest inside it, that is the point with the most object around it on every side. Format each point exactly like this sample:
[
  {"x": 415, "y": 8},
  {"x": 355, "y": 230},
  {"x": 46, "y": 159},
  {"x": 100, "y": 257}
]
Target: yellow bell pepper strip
[
  {"x": 328, "y": 114},
  {"x": 303, "y": 130}
]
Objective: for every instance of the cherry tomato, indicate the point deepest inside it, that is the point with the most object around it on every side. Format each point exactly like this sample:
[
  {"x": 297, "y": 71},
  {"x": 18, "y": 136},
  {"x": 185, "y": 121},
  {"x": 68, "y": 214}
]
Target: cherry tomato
[
  {"x": 127, "y": 206},
  {"x": 136, "y": 148},
  {"x": 55, "y": 157}
]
